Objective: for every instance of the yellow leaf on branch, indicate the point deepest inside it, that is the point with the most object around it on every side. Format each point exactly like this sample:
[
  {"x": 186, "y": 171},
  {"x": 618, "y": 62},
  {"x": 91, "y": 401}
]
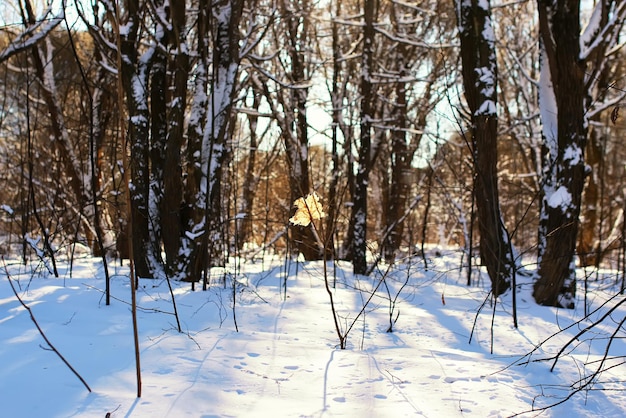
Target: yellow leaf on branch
[{"x": 308, "y": 209}]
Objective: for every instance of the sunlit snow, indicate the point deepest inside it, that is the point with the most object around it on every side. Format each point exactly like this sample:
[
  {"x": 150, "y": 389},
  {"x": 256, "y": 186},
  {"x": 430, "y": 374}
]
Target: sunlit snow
[{"x": 284, "y": 360}]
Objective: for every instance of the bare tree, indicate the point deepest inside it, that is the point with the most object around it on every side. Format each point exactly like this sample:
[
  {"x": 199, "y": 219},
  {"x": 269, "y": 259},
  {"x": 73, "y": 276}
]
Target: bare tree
[{"x": 209, "y": 149}]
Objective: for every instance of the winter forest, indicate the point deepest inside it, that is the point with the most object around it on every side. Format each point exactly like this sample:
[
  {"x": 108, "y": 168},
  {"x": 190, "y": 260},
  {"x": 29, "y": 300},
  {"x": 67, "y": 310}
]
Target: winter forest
[{"x": 177, "y": 138}]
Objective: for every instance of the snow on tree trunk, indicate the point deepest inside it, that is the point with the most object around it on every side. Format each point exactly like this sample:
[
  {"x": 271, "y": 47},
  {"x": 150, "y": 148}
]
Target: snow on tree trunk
[
  {"x": 134, "y": 73},
  {"x": 208, "y": 139},
  {"x": 176, "y": 99},
  {"x": 193, "y": 244},
  {"x": 564, "y": 166},
  {"x": 478, "y": 57},
  {"x": 158, "y": 130}
]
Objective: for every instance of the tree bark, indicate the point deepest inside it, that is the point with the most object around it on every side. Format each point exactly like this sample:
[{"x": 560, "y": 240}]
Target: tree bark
[
  {"x": 172, "y": 204},
  {"x": 203, "y": 238},
  {"x": 478, "y": 58},
  {"x": 364, "y": 166},
  {"x": 564, "y": 163},
  {"x": 134, "y": 73}
]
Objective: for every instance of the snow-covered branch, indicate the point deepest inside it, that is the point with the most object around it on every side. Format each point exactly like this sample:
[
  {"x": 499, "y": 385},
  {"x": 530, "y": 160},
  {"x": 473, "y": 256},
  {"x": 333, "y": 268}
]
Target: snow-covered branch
[{"x": 32, "y": 35}]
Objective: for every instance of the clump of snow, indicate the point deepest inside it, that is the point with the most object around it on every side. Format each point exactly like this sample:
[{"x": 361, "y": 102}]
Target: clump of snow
[
  {"x": 573, "y": 155},
  {"x": 560, "y": 198},
  {"x": 8, "y": 209}
]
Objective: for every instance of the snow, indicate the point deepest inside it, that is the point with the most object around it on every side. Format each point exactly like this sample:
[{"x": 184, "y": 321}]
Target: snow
[
  {"x": 573, "y": 155},
  {"x": 591, "y": 29},
  {"x": 487, "y": 107},
  {"x": 8, "y": 209},
  {"x": 284, "y": 360},
  {"x": 34, "y": 34},
  {"x": 547, "y": 105},
  {"x": 561, "y": 197}
]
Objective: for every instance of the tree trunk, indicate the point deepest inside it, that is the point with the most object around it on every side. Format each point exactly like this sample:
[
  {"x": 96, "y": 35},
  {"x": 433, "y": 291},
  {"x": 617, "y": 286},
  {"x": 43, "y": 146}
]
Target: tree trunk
[
  {"x": 599, "y": 74},
  {"x": 400, "y": 160},
  {"x": 193, "y": 211},
  {"x": 560, "y": 35},
  {"x": 478, "y": 57},
  {"x": 208, "y": 143},
  {"x": 359, "y": 204},
  {"x": 589, "y": 242},
  {"x": 135, "y": 81},
  {"x": 158, "y": 134},
  {"x": 246, "y": 233},
  {"x": 172, "y": 203}
]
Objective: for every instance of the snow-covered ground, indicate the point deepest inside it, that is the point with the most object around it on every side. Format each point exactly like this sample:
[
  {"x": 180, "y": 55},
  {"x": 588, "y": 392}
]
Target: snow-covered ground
[{"x": 280, "y": 357}]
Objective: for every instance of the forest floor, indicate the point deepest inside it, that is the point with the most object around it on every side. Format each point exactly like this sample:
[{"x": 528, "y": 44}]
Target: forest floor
[{"x": 251, "y": 347}]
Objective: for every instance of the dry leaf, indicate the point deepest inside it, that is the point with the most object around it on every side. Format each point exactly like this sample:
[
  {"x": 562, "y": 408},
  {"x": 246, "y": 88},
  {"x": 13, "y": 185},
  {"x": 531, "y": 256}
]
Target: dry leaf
[
  {"x": 308, "y": 209},
  {"x": 615, "y": 114}
]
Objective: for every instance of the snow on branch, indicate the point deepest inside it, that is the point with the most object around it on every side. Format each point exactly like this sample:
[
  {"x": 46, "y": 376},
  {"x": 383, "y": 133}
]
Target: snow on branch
[
  {"x": 32, "y": 35},
  {"x": 595, "y": 35}
]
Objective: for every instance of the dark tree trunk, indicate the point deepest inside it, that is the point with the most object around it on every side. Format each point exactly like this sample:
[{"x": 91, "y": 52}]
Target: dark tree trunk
[
  {"x": 560, "y": 35},
  {"x": 334, "y": 197},
  {"x": 172, "y": 203},
  {"x": 158, "y": 133},
  {"x": 598, "y": 75},
  {"x": 203, "y": 243},
  {"x": 401, "y": 178},
  {"x": 478, "y": 57},
  {"x": 134, "y": 79},
  {"x": 359, "y": 204},
  {"x": 193, "y": 212},
  {"x": 250, "y": 178}
]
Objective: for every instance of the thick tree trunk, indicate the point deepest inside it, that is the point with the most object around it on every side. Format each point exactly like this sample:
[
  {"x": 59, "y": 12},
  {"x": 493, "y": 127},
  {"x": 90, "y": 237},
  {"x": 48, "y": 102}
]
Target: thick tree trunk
[
  {"x": 478, "y": 57},
  {"x": 560, "y": 36}
]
